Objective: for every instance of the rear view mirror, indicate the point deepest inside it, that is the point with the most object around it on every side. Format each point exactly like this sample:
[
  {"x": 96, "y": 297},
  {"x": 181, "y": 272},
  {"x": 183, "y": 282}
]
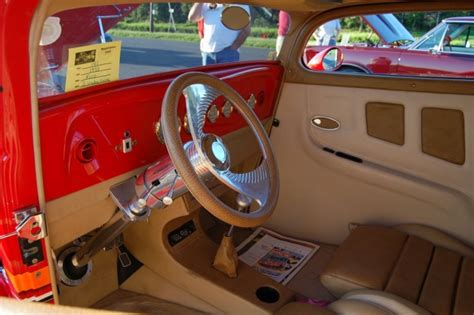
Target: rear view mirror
[
  {"x": 235, "y": 18},
  {"x": 329, "y": 59}
]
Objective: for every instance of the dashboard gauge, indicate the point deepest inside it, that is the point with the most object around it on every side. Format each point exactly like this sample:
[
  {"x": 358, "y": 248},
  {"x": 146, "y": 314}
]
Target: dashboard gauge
[
  {"x": 159, "y": 130},
  {"x": 213, "y": 114},
  {"x": 252, "y": 101},
  {"x": 227, "y": 109}
]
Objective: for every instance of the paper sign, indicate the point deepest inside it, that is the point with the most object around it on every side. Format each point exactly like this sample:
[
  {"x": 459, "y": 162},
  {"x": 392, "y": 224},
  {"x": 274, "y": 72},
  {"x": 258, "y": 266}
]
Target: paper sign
[{"x": 92, "y": 65}]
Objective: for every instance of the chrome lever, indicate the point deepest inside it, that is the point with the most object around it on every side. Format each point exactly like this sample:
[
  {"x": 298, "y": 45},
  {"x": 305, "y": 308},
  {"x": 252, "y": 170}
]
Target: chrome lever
[{"x": 168, "y": 199}]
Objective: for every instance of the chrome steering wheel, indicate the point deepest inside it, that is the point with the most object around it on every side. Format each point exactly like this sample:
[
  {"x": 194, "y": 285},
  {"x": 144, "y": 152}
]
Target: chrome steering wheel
[{"x": 209, "y": 151}]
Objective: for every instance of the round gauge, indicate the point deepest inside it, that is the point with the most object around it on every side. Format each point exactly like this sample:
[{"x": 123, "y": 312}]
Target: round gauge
[
  {"x": 252, "y": 101},
  {"x": 227, "y": 109},
  {"x": 213, "y": 114},
  {"x": 159, "y": 130}
]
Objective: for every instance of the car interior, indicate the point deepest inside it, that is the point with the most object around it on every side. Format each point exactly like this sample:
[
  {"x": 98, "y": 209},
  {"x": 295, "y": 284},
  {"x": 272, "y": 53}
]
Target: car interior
[{"x": 140, "y": 190}]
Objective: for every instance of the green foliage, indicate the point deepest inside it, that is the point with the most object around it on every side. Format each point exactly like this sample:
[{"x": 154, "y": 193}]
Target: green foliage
[
  {"x": 424, "y": 21},
  {"x": 250, "y": 42},
  {"x": 264, "y": 17},
  {"x": 155, "y": 35},
  {"x": 260, "y": 17},
  {"x": 354, "y": 23},
  {"x": 359, "y": 37},
  {"x": 188, "y": 28}
]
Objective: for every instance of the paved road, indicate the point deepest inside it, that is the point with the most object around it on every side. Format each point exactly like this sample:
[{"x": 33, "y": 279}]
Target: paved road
[{"x": 145, "y": 56}]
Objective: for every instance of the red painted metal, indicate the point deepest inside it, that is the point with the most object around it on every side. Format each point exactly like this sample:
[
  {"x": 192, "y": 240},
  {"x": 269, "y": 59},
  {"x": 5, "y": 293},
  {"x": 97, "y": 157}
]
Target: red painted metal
[
  {"x": 17, "y": 169},
  {"x": 372, "y": 59},
  {"x": 398, "y": 61},
  {"x": 105, "y": 113}
]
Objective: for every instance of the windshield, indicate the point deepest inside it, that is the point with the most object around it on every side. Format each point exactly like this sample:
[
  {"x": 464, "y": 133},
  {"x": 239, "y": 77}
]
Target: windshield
[
  {"x": 432, "y": 39},
  {"x": 95, "y": 45}
]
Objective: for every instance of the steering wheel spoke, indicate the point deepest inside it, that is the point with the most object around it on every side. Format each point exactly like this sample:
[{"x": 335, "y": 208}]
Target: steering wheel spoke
[
  {"x": 199, "y": 98},
  {"x": 208, "y": 151},
  {"x": 254, "y": 184}
]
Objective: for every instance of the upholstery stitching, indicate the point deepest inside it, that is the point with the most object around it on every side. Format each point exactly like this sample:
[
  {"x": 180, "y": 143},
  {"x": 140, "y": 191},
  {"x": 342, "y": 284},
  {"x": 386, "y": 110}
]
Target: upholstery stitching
[
  {"x": 344, "y": 279},
  {"x": 426, "y": 275},
  {"x": 390, "y": 275},
  {"x": 454, "y": 294}
]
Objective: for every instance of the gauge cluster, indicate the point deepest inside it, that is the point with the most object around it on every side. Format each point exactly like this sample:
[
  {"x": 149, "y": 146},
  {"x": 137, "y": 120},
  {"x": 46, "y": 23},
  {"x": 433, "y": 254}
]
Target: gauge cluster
[{"x": 221, "y": 110}]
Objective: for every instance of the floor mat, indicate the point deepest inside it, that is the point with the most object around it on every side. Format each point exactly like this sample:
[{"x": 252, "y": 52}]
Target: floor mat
[
  {"x": 306, "y": 282},
  {"x": 126, "y": 301}
]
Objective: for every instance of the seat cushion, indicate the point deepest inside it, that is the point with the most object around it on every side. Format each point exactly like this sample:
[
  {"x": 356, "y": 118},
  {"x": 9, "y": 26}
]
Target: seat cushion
[
  {"x": 422, "y": 271},
  {"x": 387, "y": 302},
  {"x": 296, "y": 308},
  {"x": 359, "y": 302},
  {"x": 364, "y": 260}
]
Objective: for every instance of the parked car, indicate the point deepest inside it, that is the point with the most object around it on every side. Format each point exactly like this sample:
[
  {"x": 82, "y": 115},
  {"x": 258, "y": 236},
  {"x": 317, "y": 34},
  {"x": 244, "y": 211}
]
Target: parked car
[{"x": 443, "y": 51}]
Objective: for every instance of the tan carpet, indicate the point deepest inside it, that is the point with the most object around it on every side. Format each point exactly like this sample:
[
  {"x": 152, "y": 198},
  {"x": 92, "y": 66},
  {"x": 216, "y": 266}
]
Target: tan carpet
[
  {"x": 305, "y": 283},
  {"x": 126, "y": 301}
]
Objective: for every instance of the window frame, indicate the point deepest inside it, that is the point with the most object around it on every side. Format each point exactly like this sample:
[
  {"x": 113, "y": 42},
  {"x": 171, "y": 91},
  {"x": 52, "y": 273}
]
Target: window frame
[{"x": 297, "y": 72}]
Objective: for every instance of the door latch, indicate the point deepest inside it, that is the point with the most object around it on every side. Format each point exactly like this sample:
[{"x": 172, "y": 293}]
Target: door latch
[{"x": 31, "y": 225}]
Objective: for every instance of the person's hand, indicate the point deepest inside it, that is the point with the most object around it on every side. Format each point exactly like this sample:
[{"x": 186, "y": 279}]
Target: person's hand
[{"x": 195, "y": 13}]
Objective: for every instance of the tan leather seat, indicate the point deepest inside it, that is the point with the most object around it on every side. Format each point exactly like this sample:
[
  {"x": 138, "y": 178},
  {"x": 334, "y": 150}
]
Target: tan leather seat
[
  {"x": 419, "y": 264},
  {"x": 359, "y": 302}
]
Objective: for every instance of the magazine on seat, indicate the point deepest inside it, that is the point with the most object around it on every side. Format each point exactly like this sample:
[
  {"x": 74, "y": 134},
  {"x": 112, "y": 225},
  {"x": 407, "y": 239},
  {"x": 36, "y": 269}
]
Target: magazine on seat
[{"x": 277, "y": 256}]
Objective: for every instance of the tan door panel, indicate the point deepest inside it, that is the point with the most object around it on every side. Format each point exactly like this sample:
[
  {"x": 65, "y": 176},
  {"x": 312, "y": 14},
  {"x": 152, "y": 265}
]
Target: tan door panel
[{"x": 322, "y": 193}]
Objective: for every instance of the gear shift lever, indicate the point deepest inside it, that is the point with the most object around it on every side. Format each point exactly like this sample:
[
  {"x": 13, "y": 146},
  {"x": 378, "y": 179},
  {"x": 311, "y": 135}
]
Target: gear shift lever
[
  {"x": 243, "y": 202},
  {"x": 226, "y": 259}
]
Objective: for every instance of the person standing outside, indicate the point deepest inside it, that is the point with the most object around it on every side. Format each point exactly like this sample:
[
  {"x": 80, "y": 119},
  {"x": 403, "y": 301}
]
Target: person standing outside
[
  {"x": 283, "y": 27},
  {"x": 326, "y": 34},
  {"x": 219, "y": 44}
]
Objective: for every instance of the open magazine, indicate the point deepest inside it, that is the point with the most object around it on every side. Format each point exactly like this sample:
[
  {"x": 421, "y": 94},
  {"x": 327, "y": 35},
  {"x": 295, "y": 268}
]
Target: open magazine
[{"x": 275, "y": 255}]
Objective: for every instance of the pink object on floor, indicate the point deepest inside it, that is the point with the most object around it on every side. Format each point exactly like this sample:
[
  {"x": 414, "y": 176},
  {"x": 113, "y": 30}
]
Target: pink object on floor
[{"x": 306, "y": 300}]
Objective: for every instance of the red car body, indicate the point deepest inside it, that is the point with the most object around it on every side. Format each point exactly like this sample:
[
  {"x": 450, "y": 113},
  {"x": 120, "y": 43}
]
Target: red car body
[{"x": 406, "y": 60}]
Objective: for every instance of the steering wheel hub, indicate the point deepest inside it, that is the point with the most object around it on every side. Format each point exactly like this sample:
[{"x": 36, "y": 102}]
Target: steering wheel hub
[
  {"x": 216, "y": 152},
  {"x": 207, "y": 151}
]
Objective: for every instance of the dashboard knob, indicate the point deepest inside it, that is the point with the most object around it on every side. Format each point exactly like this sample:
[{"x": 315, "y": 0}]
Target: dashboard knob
[
  {"x": 141, "y": 203},
  {"x": 168, "y": 200}
]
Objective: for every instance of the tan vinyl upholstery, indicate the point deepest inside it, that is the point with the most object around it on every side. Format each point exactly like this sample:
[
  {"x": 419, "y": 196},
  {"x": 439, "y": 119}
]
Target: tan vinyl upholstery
[
  {"x": 130, "y": 302},
  {"x": 359, "y": 302},
  {"x": 384, "y": 302},
  {"x": 120, "y": 302},
  {"x": 297, "y": 308},
  {"x": 417, "y": 263},
  {"x": 13, "y": 306}
]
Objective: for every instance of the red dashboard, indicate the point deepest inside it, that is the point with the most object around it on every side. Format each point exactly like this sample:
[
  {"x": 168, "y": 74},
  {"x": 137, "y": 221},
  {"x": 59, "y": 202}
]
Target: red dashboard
[{"x": 82, "y": 132}]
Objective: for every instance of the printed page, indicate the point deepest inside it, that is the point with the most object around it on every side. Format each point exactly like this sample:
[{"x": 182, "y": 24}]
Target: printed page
[{"x": 275, "y": 255}]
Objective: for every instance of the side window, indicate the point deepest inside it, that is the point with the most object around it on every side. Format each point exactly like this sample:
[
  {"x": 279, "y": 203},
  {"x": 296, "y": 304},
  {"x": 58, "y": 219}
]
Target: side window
[
  {"x": 432, "y": 39},
  {"x": 459, "y": 38},
  {"x": 94, "y": 45},
  {"x": 430, "y": 44}
]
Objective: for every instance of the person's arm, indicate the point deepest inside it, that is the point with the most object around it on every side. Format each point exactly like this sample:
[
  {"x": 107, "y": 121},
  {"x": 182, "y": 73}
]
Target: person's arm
[
  {"x": 195, "y": 14},
  {"x": 241, "y": 38}
]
